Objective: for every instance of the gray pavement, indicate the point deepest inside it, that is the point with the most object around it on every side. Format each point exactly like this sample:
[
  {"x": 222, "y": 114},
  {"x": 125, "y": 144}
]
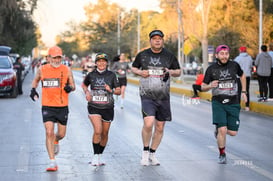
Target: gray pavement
[
  {"x": 187, "y": 152},
  {"x": 185, "y": 87}
]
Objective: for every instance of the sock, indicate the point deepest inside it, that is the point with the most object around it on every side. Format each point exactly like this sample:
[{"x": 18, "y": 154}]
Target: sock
[
  {"x": 101, "y": 149},
  {"x": 152, "y": 150},
  {"x": 146, "y": 148},
  {"x": 121, "y": 101},
  {"x": 222, "y": 150},
  {"x": 96, "y": 148}
]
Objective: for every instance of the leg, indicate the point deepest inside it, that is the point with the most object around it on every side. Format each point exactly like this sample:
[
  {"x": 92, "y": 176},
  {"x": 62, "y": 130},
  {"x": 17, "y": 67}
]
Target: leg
[
  {"x": 194, "y": 87},
  {"x": 97, "y": 126},
  {"x": 221, "y": 137},
  {"x": 270, "y": 84},
  {"x": 61, "y": 132},
  {"x": 147, "y": 130},
  {"x": 50, "y": 136},
  {"x": 158, "y": 134},
  {"x": 123, "y": 87},
  {"x": 105, "y": 132},
  {"x": 247, "y": 91}
]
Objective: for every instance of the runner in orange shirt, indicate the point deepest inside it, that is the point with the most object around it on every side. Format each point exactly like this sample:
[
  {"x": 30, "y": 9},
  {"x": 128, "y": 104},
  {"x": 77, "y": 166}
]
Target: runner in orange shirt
[{"x": 57, "y": 82}]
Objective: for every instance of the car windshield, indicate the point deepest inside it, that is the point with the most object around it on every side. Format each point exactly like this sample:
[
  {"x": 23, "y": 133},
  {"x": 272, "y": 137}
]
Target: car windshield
[{"x": 5, "y": 63}]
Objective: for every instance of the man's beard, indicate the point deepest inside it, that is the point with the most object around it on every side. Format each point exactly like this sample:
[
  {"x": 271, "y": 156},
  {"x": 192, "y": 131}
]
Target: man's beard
[{"x": 55, "y": 64}]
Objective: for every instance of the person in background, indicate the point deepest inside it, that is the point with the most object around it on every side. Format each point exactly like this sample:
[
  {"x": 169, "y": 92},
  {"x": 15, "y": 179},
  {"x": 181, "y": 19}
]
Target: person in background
[
  {"x": 155, "y": 65},
  {"x": 120, "y": 68},
  {"x": 102, "y": 84},
  {"x": 89, "y": 66},
  {"x": 246, "y": 63},
  {"x": 197, "y": 86},
  {"x": 264, "y": 63},
  {"x": 221, "y": 78},
  {"x": 19, "y": 69},
  {"x": 270, "y": 79},
  {"x": 57, "y": 82}
]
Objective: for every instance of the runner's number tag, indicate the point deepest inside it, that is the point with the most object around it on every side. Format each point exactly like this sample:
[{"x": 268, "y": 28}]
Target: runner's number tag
[
  {"x": 227, "y": 85},
  {"x": 155, "y": 72},
  {"x": 54, "y": 82}
]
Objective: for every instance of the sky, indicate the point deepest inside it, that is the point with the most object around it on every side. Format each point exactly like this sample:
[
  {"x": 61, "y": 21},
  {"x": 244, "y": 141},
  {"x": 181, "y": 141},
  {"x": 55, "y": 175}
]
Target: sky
[{"x": 52, "y": 15}]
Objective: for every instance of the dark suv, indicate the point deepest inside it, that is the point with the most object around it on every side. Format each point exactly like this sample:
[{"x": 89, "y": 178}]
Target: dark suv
[{"x": 8, "y": 79}]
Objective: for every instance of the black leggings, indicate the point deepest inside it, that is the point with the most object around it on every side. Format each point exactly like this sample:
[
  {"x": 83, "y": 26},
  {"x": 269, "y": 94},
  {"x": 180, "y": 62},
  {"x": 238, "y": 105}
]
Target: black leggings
[{"x": 263, "y": 85}]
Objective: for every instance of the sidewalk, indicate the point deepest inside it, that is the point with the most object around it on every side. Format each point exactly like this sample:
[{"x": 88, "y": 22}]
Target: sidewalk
[{"x": 185, "y": 88}]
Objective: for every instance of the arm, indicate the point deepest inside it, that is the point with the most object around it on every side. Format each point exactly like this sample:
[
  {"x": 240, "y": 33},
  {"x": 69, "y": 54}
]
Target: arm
[
  {"x": 71, "y": 81},
  {"x": 207, "y": 87},
  {"x": 36, "y": 79},
  {"x": 174, "y": 72},
  {"x": 86, "y": 92},
  {"x": 142, "y": 73}
]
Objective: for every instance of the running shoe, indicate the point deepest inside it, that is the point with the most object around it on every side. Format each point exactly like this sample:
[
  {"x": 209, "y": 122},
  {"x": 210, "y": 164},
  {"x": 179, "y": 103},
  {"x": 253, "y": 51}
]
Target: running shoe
[
  {"x": 145, "y": 158},
  {"x": 154, "y": 161},
  {"x": 52, "y": 167},
  {"x": 56, "y": 147},
  {"x": 223, "y": 159},
  {"x": 95, "y": 160},
  {"x": 101, "y": 160},
  {"x": 216, "y": 132},
  {"x": 195, "y": 97}
]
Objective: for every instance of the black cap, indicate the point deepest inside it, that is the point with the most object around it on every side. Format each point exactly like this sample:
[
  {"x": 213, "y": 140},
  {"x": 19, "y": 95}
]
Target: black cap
[
  {"x": 156, "y": 32},
  {"x": 101, "y": 56}
]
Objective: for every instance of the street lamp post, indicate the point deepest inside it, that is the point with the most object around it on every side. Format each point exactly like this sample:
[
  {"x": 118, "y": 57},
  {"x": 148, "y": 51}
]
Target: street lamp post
[{"x": 260, "y": 24}]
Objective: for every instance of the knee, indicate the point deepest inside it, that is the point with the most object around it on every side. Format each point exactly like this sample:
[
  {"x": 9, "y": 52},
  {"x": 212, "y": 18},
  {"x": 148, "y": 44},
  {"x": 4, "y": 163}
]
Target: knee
[
  {"x": 222, "y": 130},
  {"x": 50, "y": 134},
  {"x": 60, "y": 136}
]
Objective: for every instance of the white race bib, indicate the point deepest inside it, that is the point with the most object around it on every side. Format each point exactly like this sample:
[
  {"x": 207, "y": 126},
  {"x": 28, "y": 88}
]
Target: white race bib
[
  {"x": 51, "y": 82},
  {"x": 155, "y": 72},
  {"x": 227, "y": 85}
]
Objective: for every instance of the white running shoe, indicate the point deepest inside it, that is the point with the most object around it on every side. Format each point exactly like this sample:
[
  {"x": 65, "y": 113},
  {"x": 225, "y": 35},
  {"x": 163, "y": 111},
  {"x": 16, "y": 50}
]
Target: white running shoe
[
  {"x": 145, "y": 158},
  {"x": 95, "y": 160},
  {"x": 101, "y": 160},
  {"x": 154, "y": 161},
  {"x": 52, "y": 167}
]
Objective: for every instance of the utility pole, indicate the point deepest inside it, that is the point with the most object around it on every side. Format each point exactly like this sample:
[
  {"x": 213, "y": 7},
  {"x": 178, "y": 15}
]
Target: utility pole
[
  {"x": 180, "y": 38},
  {"x": 138, "y": 30},
  {"x": 260, "y": 24},
  {"x": 118, "y": 36}
]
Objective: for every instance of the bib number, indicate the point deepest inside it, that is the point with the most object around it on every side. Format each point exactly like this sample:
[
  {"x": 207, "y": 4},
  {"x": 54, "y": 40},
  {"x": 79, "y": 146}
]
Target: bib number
[{"x": 51, "y": 83}]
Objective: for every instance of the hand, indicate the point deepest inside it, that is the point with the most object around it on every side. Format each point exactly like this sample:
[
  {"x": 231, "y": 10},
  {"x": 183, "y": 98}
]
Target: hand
[
  {"x": 33, "y": 94},
  {"x": 214, "y": 83},
  {"x": 166, "y": 75},
  {"x": 67, "y": 88}
]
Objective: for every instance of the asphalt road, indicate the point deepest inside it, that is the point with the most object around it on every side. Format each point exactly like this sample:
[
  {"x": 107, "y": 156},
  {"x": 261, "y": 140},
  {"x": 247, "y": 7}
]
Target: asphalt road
[{"x": 188, "y": 150}]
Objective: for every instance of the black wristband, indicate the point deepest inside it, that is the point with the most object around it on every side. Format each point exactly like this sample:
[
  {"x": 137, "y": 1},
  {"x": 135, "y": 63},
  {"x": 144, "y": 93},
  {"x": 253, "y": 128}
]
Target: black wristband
[{"x": 243, "y": 91}]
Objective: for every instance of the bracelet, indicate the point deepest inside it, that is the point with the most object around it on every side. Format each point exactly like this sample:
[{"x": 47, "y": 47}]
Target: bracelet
[{"x": 244, "y": 92}]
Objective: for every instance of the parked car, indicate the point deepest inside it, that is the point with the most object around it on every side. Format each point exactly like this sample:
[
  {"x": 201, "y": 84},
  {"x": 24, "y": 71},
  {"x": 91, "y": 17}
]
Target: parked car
[{"x": 8, "y": 79}]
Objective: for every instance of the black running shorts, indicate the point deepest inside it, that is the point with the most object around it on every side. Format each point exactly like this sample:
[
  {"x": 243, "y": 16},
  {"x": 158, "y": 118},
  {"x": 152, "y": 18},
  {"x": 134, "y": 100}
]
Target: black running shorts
[
  {"x": 55, "y": 114},
  {"x": 106, "y": 114}
]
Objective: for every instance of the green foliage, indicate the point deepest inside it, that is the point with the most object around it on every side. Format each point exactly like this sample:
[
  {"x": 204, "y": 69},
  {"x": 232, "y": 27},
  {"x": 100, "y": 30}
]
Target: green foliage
[{"x": 17, "y": 29}]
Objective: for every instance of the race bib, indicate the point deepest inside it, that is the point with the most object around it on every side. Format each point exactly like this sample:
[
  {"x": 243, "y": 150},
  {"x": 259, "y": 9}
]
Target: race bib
[
  {"x": 99, "y": 99},
  {"x": 226, "y": 85},
  {"x": 155, "y": 72},
  {"x": 54, "y": 82}
]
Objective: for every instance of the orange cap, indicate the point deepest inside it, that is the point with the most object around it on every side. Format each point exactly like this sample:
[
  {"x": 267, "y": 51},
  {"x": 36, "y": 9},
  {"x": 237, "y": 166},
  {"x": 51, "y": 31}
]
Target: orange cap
[{"x": 55, "y": 51}]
